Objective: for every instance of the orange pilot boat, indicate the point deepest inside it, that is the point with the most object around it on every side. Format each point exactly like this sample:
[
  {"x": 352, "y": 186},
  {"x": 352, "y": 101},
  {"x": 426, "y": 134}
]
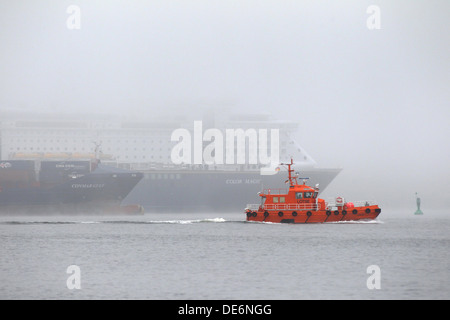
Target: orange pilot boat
[{"x": 300, "y": 204}]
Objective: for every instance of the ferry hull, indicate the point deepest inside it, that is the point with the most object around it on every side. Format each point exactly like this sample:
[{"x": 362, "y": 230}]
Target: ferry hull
[
  {"x": 24, "y": 190},
  {"x": 210, "y": 191}
]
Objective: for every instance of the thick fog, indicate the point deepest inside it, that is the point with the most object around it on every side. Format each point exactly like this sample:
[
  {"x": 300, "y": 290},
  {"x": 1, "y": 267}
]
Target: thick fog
[{"x": 372, "y": 99}]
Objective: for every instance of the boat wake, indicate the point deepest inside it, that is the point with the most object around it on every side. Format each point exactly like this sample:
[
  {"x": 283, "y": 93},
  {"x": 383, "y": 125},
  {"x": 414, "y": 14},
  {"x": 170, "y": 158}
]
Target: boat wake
[
  {"x": 214, "y": 220},
  {"x": 181, "y": 221},
  {"x": 357, "y": 222}
]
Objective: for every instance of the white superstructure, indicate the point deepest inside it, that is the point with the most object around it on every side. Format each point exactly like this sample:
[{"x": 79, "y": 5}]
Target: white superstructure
[{"x": 125, "y": 141}]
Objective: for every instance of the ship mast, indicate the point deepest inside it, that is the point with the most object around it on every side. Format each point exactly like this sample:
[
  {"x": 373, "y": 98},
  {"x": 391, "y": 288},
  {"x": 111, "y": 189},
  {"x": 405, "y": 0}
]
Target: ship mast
[{"x": 292, "y": 179}]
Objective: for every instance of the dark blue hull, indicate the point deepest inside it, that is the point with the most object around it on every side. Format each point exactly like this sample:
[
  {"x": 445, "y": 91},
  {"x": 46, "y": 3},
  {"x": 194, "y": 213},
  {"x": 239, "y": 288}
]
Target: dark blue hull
[
  {"x": 212, "y": 191},
  {"x": 99, "y": 191}
]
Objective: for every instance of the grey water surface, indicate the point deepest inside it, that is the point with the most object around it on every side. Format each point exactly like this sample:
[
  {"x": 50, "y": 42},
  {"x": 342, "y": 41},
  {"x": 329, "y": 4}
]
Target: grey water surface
[{"x": 203, "y": 256}]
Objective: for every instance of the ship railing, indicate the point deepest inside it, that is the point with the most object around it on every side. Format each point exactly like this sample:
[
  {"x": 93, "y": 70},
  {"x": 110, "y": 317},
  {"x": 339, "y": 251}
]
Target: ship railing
[
  {"x": 364, "y": 203},
  {"x": 284, "y": 206},
  {"x": 332, "y": 205},
  {"x": 253, "y": 207}
]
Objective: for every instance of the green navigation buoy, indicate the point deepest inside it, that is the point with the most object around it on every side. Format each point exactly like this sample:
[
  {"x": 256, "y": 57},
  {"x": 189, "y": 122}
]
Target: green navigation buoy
[{"x": 418, "y": 211}]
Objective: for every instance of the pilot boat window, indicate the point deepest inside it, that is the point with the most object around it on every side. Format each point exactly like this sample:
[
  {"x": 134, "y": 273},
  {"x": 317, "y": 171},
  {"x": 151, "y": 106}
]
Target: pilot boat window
[
  {"x": 263, "y": 200},
  {"x": 315, "y": 194},
  {"x": 298, "y": 195},
  {"x": 282, "y": 199},
  {"x": 308, "y": 194},
  {"x": 275, "y": 199}
]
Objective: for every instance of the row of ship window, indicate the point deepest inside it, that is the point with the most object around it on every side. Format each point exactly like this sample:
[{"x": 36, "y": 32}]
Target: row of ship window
[
  {"x": 82, "y": 141},
  {"x": 75, "y": 149},
  {"x": 162, "y": 176}
]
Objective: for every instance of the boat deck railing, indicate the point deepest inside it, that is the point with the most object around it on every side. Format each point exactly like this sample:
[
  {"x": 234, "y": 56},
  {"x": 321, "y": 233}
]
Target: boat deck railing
[
  {"x": 306, "y": 206},
  {"x": 283, "y": 206},
  {"x": 359, "y": 203}
]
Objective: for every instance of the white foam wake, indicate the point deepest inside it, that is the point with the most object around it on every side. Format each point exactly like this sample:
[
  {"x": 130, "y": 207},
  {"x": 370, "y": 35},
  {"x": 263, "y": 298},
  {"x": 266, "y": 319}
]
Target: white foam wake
[
  {"x": 358, "y": 222},
  {"x": 216, "y": 220},
  {"x": 55, "y": 222}
]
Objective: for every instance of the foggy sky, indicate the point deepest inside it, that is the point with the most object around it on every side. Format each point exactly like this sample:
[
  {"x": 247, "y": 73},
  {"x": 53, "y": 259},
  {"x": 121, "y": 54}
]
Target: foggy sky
[{"x": 374, "y": 102}]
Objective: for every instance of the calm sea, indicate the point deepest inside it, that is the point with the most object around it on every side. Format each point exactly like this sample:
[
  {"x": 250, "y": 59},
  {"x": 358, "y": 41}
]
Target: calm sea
[{"x": 199, "y": 256}]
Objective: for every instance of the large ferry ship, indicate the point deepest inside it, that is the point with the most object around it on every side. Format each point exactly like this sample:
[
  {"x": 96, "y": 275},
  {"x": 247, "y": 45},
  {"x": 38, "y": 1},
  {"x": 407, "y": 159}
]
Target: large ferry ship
[{"x": 146, "y": 145}]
